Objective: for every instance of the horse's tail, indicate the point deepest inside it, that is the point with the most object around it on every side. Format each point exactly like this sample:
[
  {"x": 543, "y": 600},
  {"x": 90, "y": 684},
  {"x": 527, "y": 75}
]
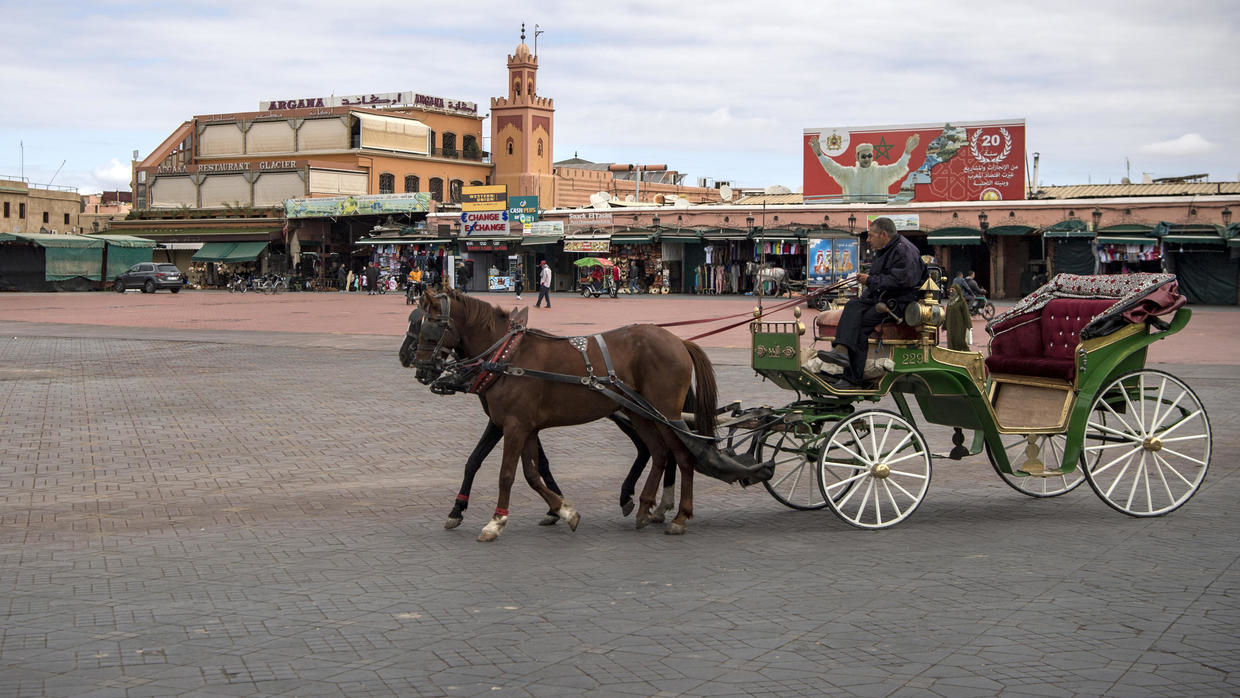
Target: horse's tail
[{"x": 707, "y": 394}]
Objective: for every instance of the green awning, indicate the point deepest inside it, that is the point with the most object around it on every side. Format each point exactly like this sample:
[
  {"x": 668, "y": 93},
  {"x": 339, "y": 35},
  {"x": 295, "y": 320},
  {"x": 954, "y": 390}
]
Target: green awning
[
  {"x": 532, "y": 240},
  {"x": 246, "y": 252},
  {"x": 679, "y": 235},
  {"x": 1061, "y": 234},
  {"x": 725, "y": 234},
  {"x": 1067, "y": 225},
  {"x": 1114, "y": 239},
  {"x": 954, "y": 236},
  {"x": 65, "y": 256},
  {"x": 1195, "y": 239},
  {"x": 1012, "y": 230},
  {"x": 214, "y": 252},
  {"x": 400, "y": 241},
  {"x": 1126, "y": 229},
  {"x": 631, "y": 239},
  {"x": 123, "y": 240}
]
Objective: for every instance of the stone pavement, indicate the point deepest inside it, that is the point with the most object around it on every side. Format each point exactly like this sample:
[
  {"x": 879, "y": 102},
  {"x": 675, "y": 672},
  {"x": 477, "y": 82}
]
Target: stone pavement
[{"x": 224, "y": 513}]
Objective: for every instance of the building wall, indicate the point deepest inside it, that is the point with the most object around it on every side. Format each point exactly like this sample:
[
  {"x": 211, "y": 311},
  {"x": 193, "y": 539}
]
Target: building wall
[
  {"x": 62, "y": 209},
  {"x": 575, "y": 185}
]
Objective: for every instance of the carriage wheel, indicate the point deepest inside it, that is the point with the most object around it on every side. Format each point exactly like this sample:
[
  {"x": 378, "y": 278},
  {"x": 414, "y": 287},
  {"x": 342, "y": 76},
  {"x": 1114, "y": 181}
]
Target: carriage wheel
[
  {"x": 874, "y": 469},
  {"x": 1048, "y": 449},
  {"x": 1152, "y": 437},
  {"x": 795, "y": 452}
]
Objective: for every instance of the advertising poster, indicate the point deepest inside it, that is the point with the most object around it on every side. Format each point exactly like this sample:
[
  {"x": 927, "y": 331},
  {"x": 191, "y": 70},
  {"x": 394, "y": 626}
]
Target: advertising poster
[
  {"x": 362, "y": 205},
  {"x": 957, "y": 161},
  {"x": 831, "y": 260}
]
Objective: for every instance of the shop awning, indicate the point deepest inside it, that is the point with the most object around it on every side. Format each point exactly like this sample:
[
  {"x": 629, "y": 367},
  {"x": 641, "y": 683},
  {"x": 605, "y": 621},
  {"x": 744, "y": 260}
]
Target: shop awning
[
  {"x": 631, "y": 239},
  {"x": 1062, "y": 234},
  {"x": 532, "y": 240},
  {"x": 182, "y": 245},
  {"x": 246, "y": 251},
  {"x": 1012, "y": 230},
  {"x": 214, "y": 252},
  {"x": 955, "y": 236},
  {"x": 725, "y": 234},
  {"x": 679, "y": 235},
  {"x": 123, "y": 240},
  {"x": 1195, "y": 239},
  {"x": 1125, "y": 239}
]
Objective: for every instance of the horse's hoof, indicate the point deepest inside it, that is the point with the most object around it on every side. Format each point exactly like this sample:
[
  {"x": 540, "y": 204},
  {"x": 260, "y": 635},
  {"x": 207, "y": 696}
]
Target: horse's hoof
[
  {"x": 656, "y": 517},
  {"x": 573, "y": 521},
  {"x": 487, "y": 536},
  {"x": 549, "y": 520},
  {"x": 452, "y": 523},
  {"x": 641, "y": 521},
  {"x": 493, "y": 528},
  {"x": 675, "y": 529},
  {"x": 626, "y": 508}
]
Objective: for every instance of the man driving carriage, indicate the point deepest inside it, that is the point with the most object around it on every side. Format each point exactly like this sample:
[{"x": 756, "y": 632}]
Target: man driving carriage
[{"x": 894, "y": 277}]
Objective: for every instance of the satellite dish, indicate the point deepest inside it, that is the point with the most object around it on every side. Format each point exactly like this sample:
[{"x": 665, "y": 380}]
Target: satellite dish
[
  {"x": 681, "y": 203},
  {"x": 600, "y": 200},
  {"x": 629, "y": 198},
  {"x": 725, "y": 193},
  {"x": 659, "y": 198}
]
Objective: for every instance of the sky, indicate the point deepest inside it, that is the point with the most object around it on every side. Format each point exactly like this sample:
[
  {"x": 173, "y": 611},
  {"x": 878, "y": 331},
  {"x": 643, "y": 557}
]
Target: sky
[{"x": 721, "y": 90}]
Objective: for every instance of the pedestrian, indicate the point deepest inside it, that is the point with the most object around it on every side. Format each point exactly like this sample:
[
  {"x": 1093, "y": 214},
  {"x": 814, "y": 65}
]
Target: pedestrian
[
  {"x": 518, "y": 280},
  {"x": 615, "y": 279},
  {"x": 342, "y": 278},
  {"x": 348, "y": 282},
  {"x": 544, "y": 284},
  {"x": 372, "y": 279},
  {"x": 635, "y": 274}
]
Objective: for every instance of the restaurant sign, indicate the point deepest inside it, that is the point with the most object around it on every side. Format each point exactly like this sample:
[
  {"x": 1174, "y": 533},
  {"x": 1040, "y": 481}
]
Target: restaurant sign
[
  {"x": 375, "y": 101},
  {"x": 591, "y": 219},
  {"x": 594, "y": 246}
]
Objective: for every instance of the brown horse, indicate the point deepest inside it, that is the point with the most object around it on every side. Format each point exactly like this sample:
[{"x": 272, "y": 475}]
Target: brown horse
[{"x": 657, "y": 365}]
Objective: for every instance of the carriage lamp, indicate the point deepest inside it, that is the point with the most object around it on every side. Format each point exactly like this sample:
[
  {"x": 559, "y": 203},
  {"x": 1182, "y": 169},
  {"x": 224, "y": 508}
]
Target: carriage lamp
[{"x": 1226, "y": 216}]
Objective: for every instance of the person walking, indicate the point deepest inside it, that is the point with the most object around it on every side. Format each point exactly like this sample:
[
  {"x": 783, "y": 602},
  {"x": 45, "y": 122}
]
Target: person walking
[
  {"x": 518, "y": 280},
  {"x": 342, "y": 278},
  {"x": 349, "y": 280},
  {"x": 372, "y": 279},
  {"x": 544, "y": 284}
]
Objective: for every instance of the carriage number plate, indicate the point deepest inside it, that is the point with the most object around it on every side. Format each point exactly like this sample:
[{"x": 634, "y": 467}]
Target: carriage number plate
[{"x": 910, "y": 357}]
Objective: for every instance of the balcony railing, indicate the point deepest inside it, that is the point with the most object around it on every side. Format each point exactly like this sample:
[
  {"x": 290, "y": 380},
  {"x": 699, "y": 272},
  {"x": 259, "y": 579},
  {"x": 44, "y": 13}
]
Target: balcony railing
[{"x": 459, "y": 154}]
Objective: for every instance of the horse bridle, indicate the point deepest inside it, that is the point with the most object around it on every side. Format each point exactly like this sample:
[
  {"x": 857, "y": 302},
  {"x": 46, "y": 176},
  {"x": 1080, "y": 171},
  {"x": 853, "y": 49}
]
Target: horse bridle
[{"x": 435, "y": 330}]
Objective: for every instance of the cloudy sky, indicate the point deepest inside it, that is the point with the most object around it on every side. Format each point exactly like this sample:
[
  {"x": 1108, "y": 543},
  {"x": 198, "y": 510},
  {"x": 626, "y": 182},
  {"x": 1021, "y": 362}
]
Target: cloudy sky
[{"x": 721, "y": 89}]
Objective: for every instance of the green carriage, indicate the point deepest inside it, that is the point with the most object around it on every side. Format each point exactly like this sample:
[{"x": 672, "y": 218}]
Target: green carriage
[{"x": 1062, "y": 397}]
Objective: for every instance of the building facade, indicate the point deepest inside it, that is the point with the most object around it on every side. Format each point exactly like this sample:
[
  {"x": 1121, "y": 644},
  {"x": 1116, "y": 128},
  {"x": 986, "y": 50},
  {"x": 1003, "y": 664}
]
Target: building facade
[{"x": 34, "y": 208}]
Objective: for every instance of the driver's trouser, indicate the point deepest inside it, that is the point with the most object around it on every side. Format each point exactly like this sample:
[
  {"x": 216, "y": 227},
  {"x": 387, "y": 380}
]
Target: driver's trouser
[{"x": 853, "y": 331}]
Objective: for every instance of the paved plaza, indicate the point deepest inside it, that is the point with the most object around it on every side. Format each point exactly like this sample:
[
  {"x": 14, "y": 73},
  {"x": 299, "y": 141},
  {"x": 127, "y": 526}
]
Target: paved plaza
[{"x": 203, "y": 495}]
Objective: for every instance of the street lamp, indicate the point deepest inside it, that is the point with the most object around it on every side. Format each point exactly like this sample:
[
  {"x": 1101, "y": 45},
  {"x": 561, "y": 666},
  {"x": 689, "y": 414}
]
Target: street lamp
[
  {"x": 749, "y": 223},
  {"x": 656, "y": 222},
  {"x": 1226, "y": 216},
  {"x": 983, "y": 221},
  {"x": 852, "y": 222},
  {"x": 1097, "y": 216}
]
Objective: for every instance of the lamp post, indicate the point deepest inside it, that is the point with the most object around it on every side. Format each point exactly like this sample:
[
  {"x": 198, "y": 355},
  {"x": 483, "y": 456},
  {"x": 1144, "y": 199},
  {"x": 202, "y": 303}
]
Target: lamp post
[
  {"x": 1226, "y": 216},
  {"x": 983, "y": 222},
  {"x": 638, "y": 169},
  {"x": 1097, "y": 216},
  {"x": 852, "y": 222}
]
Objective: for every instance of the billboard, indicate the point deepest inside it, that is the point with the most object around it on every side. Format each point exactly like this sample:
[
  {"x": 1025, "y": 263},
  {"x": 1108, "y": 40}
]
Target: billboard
[
  {"x": 831, "y": 260},
  {"x": 361, "y": 205},
  {"x": 957, "y": 161},
  {"x": 490, "y": 197},
  {"x": 484, "y": 223}
]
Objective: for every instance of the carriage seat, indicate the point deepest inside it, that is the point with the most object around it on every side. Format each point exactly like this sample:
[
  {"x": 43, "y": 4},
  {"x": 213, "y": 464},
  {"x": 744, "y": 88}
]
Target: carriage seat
[
  {"x": 1044, "y": 342},
  {"x": 828, "y": 320}
]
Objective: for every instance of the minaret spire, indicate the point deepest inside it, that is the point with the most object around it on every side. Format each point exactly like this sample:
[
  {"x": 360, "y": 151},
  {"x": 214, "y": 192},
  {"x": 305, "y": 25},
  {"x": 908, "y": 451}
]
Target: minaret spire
[{"x": 523, "y": 32}]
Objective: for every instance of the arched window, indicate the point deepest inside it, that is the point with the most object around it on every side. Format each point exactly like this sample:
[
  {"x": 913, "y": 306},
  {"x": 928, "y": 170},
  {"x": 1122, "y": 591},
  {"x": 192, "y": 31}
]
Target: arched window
[
  {"x": 437, "y": 189},
  {"x": 510, "y": 146},
  {"x": 387, "y": 183},
  {"x": 411, "y": 183},
  {"x": 449, "y": 145},
  {"x": 529, "y": 88},
  {"x": 469, "y": 147},
  {"x": 454, "y": 190},
  {"x": 539, "y": 147},
  {"x": 516, "y": 88},
  {"x": 475, "y": 183}
]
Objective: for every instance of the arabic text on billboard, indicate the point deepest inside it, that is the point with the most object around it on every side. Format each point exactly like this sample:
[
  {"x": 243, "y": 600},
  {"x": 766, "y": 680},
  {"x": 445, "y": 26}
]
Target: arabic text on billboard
[
  {"x": 959, "y": 161},
  {"x": 362, "y": 205},
  {"x": 374, "y": 101}
]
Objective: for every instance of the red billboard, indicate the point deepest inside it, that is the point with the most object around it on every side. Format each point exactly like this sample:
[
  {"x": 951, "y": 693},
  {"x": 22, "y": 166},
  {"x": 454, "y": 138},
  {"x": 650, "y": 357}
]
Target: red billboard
[{"x": 959, "y": 161}]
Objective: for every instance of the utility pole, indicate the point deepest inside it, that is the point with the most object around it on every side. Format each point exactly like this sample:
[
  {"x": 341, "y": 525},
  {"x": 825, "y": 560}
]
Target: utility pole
[
  {"x": 537, "y": 31},
  {"x": 638, "y": 169}
]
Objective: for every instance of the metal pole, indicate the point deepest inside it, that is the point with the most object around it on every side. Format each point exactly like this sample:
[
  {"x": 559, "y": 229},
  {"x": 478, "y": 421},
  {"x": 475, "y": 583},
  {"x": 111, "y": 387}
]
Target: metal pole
[{"x": 638, "y": 195}]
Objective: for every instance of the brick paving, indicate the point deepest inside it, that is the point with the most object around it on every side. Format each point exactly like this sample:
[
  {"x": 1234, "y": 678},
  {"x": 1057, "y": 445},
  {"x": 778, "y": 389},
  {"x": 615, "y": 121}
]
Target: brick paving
[{"x": 224, "y": 509}]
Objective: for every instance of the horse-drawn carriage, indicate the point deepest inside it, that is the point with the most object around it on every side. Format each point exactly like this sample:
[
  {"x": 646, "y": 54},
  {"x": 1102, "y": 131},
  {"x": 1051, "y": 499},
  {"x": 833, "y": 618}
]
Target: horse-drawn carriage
[{"x": 1063, "y": 397}]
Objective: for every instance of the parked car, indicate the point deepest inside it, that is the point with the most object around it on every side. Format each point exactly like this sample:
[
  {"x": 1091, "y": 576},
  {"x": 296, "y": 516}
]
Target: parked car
[{"x": 150, "y": 277}]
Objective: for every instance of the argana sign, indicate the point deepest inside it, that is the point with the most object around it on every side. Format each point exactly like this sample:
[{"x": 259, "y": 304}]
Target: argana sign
[
  {"x": 956, "y": 161},
  {"x": 385, "y": 99}
]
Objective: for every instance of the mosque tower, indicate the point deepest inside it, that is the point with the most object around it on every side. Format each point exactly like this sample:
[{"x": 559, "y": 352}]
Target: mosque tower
[{"x": 522, "y": 128}]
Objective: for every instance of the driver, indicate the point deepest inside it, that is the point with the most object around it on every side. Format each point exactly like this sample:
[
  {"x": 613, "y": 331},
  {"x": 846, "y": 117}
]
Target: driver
[{"x": 894, "y": 278}]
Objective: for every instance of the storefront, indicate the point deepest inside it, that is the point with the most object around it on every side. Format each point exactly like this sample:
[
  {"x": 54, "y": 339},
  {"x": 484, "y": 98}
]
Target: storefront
[
  {"x": 485, "y": 262},
  {"x": 785, "y": 248},
  {"x": 635, "y": 250},
  {"x": 962, "y": 249},
  {"x": 578, "y": 244},
  {"x": 1128, "y": 248},
  {"x": 719, "y": 264},
  {"x": 1018, "y": 261},
  {"x": 1206, "y": 264},
  {"x": 45, "y": 262},
  {"x": 397, "y": 256},
  {"x": 1070, "y": 248},
  {"x": 667, "y": 274}
]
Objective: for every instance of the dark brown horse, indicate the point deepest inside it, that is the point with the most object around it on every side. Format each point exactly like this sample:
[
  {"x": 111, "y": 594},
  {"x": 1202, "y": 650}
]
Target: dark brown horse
[{"x": 657, "y": 365}]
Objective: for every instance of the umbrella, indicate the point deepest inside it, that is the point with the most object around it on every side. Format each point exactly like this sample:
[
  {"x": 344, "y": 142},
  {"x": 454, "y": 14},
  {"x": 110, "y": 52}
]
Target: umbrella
[{"x": 593, "y": 261}]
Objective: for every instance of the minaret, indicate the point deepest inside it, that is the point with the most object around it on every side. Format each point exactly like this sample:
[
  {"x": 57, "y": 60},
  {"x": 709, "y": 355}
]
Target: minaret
[{"x": 522, "y": 129}]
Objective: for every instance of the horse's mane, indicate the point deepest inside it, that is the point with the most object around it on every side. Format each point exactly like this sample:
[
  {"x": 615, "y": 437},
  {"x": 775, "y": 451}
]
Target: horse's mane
[{"x": 479, "y": 313}]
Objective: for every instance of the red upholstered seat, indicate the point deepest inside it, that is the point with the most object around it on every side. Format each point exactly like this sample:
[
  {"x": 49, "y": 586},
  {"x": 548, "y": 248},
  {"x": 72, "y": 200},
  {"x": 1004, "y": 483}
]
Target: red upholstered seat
[
  {"x": 828, "y": 320},
  {"x": 1044, "y": 343}
]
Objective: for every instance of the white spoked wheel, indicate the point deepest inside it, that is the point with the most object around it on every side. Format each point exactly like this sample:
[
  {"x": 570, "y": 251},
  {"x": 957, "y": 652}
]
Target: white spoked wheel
[
  {"x": 1025, "y": 452},
  {"x": 874, "y": 469},
  {"x": 1152, "y": 438},
  {"x": 794, "y": 452}
]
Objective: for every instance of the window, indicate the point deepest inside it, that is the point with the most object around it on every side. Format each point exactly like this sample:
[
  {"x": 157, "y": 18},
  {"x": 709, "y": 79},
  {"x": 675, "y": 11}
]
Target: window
[
  {"x": 529, "y": 88},
  {"x": 449, "y": 145},
  {"x": 469, "y": 146},
  {"x": 475, "y": 183},
  {"x": 387, "y": 183},
  {"x": 6, "y": 209},
  {"x": 45, "y": 216},
  {"x": 454, "y": 190},
  {"x": 21, "y": 211},
  {"x": 510, "y": 146},
  {"x": 516, "y": 88},
  {"x": 411, "y": 183},
  {"x": 437, "y": 189},
  {"x": 66, "y": 219},
  {"x": 539, "y": 147}
]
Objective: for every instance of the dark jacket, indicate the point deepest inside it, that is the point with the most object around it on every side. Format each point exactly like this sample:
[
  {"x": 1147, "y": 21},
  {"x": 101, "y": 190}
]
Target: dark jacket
[{"x": 896, "y": 273}]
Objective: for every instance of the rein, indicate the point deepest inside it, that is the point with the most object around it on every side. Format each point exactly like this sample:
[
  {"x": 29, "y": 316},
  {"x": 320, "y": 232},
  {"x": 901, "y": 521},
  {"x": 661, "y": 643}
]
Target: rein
[{"x": 749, "y": 314}]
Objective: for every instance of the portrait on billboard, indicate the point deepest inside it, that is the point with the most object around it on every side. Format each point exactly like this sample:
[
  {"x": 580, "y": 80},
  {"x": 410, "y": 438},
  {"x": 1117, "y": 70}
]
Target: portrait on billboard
[{"x": 953, "y": 161}]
